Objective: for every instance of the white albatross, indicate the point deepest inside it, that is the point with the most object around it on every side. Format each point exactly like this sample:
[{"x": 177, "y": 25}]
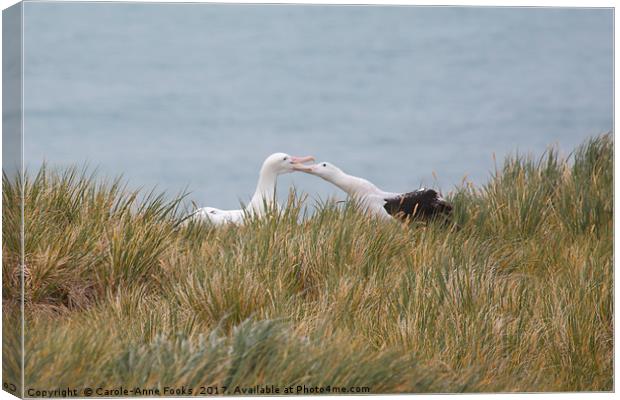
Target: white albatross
[
  {"x": 274, "y": 165},
  {"x": 422, "y": 204}
]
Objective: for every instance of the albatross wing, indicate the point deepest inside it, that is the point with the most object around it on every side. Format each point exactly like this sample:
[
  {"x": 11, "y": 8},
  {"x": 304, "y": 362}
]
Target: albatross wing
[{"x": 421, "y": 204}]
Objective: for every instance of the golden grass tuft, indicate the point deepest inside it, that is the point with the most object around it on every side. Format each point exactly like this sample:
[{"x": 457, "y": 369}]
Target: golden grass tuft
[{"x": 516, "y": 296}]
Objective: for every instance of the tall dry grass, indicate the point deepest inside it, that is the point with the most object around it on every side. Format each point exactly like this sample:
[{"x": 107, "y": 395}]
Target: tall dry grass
[{"x": 518, "y": 297}]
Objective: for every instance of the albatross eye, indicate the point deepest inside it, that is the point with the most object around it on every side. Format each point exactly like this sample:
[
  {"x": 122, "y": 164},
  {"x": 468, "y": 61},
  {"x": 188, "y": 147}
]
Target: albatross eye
[
  {"x": 285, "y": 158},
  {"x": 325, "y": 164}
]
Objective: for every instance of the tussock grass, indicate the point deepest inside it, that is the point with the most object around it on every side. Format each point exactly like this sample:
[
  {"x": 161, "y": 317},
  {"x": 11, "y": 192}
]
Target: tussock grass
[{"x": 516, "y": 296}]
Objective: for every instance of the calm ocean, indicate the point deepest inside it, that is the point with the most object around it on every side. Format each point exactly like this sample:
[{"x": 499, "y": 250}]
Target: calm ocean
[{"x": 197, "y": 95}]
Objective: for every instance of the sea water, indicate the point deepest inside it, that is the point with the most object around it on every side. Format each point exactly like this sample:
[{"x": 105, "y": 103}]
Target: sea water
[{"x": 195, "y": 96}]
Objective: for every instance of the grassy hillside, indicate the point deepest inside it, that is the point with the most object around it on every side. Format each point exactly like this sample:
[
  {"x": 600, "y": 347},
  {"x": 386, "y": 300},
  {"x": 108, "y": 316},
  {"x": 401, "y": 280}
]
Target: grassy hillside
[{"x": 518, "y": 298}]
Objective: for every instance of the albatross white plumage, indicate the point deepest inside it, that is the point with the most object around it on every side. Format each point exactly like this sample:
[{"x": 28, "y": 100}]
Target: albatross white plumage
[
  {"x": 420, "y": 204},
  {"x": 274, "y": 165}
]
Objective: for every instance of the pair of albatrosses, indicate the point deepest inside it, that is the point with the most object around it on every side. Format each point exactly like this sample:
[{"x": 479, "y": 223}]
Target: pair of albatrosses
[{"x": 422, "y": 204}]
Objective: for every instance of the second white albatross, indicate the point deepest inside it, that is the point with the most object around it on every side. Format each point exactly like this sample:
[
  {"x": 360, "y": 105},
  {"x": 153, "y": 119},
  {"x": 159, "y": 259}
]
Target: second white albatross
[
  {"x": 263, "y": 198},
  {"x": 421, "y": 204}
]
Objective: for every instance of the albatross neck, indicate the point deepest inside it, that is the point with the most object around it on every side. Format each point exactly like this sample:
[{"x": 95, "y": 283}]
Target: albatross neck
[
  {"x": 353, "y": 185},
  {"x": 265, "y": 189}
]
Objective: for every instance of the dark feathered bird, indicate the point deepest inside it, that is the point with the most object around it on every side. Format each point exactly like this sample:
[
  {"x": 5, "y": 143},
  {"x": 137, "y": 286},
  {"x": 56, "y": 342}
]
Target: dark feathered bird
[{"x": 423, "y": 204}]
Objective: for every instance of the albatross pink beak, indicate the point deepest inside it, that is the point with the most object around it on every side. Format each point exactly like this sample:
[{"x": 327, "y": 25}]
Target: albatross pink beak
[{"x": 298, "y": 163}]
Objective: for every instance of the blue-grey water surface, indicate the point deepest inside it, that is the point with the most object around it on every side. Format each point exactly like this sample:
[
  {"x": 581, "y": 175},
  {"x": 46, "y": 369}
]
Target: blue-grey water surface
[{"x": 197, "y": 95}]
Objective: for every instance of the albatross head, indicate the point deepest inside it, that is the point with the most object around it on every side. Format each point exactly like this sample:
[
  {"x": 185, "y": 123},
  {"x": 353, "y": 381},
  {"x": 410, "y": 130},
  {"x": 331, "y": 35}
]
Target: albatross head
[
  {"x": 212, "y": 214},
  {"x": 282, "y": 163},
  {"x": 323, "y": 170}
]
